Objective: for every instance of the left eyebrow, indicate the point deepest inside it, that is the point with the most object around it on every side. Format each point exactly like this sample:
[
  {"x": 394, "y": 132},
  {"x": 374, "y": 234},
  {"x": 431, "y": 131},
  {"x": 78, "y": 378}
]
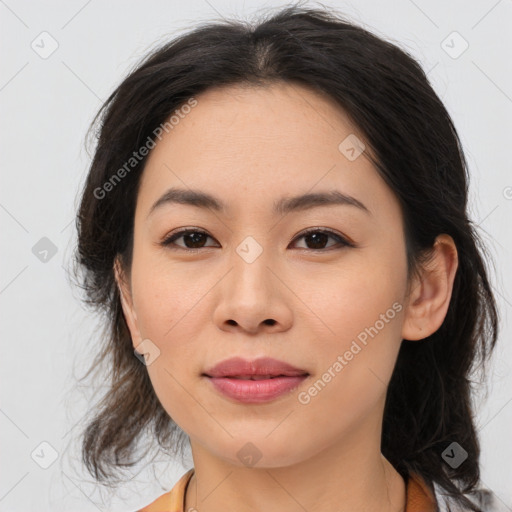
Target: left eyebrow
[
  {"x": 315, "y": 200},
  {"x": 283, "y": 206}
]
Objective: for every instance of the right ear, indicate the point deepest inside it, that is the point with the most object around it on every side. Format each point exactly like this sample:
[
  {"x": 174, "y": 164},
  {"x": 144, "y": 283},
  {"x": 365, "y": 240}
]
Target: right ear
[{"x": 130, "y": 314}]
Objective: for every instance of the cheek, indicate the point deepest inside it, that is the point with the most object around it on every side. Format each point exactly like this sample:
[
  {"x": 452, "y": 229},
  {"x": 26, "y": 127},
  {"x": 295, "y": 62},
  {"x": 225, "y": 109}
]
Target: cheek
[
  {"x": 166, "y": 298},
  {"x": 361, "y": 313},
  {"x": 354, "y": 298},
  {"x": 168, "y": 309}
]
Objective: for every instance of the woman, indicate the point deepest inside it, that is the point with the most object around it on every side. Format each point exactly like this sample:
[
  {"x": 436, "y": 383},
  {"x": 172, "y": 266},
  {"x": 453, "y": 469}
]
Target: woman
[{"x": 275, "y": 224}]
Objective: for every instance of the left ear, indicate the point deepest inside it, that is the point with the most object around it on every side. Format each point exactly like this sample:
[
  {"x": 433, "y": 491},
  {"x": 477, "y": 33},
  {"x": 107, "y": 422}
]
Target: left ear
[{"x": 428, "y": 302}]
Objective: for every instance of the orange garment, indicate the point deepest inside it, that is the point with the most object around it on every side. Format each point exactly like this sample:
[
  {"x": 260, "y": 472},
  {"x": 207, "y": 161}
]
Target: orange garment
[{"x": 419, "y": 497}]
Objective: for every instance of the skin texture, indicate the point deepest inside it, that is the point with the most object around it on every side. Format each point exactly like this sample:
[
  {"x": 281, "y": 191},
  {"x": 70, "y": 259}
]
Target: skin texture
[{"x": 250, "y": 147}]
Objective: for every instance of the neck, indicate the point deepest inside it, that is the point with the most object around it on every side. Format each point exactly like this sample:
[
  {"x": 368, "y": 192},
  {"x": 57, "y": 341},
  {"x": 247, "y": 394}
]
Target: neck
[{"x": 350, "y": 477}]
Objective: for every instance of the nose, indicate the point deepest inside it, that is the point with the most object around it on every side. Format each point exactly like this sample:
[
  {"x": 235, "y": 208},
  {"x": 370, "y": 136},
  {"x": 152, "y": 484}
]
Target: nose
[{"x": 253, "y": 299}]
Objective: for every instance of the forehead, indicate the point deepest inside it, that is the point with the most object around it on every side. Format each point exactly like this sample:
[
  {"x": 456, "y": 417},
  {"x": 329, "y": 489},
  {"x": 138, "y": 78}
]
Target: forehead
[{"x": 253, "y": 145}]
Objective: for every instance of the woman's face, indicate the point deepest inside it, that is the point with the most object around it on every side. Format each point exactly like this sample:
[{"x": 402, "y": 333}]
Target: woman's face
[{"x": 337, "y": 309}]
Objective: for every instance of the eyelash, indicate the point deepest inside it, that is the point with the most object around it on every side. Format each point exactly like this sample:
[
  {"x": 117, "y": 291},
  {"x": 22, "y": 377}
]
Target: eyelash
[{"x": 168, "y": 241}]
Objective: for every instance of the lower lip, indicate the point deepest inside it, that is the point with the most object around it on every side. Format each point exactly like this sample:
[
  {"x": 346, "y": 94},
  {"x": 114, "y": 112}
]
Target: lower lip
[{"x": 256, "y": 391}]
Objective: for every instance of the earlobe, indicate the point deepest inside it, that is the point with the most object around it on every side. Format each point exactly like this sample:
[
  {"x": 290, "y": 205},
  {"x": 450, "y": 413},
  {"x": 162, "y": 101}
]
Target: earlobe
[
  {"x": 129, "y": 312},
  {"x": 429, "y": 301}
]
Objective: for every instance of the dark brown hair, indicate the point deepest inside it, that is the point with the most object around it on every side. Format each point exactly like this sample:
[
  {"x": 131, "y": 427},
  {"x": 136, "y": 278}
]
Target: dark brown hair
[{"x": 417, "y": 152}]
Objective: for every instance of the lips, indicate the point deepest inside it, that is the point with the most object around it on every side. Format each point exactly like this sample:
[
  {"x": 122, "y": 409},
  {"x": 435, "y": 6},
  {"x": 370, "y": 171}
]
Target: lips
[
  {"x": 259, "y": 369},
  {"x": 254, "y": 377}
]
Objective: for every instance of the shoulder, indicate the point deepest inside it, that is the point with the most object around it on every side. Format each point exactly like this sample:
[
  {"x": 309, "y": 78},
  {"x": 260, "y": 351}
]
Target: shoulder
[{"x": 171, "y": 501}]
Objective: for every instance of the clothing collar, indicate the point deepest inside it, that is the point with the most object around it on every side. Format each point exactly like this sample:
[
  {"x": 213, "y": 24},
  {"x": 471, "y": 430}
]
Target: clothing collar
[{"x": 419, "y": 497}]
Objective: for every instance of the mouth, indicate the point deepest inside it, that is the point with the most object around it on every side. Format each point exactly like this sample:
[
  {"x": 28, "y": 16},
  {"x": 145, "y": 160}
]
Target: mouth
[
  {"x": 255, "y": 377},
  {"x": 263, "y": 368},
  {"x": 256, "y": 389}
]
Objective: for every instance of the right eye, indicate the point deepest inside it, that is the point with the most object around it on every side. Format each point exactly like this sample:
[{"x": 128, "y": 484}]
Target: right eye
[{"x": 192, "y": 237}]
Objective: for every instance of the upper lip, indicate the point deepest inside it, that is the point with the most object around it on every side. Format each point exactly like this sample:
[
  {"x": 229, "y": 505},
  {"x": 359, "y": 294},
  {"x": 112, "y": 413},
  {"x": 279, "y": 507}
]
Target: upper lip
[{"x": 239, "y": 367}]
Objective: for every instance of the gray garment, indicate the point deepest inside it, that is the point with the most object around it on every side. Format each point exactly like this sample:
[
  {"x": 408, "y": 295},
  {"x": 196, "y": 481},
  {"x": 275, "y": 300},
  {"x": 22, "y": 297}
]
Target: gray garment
[{"x": 486, "y": 500}]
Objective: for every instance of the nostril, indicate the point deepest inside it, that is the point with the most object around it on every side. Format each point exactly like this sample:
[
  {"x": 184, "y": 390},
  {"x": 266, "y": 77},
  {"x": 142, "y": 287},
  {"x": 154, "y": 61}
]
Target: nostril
[{"x": 270, "y": 321}]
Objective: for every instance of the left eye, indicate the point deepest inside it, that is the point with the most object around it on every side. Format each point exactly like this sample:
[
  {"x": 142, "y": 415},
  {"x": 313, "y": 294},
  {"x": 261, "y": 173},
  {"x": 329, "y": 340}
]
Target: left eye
[
  {"x": 319, "y": 237},
  {"x": 194, "y": 239}
]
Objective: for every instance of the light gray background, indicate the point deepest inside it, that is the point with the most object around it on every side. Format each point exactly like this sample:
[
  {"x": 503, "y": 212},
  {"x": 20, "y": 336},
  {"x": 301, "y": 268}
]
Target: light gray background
[{"x": 46, "y": 106}]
